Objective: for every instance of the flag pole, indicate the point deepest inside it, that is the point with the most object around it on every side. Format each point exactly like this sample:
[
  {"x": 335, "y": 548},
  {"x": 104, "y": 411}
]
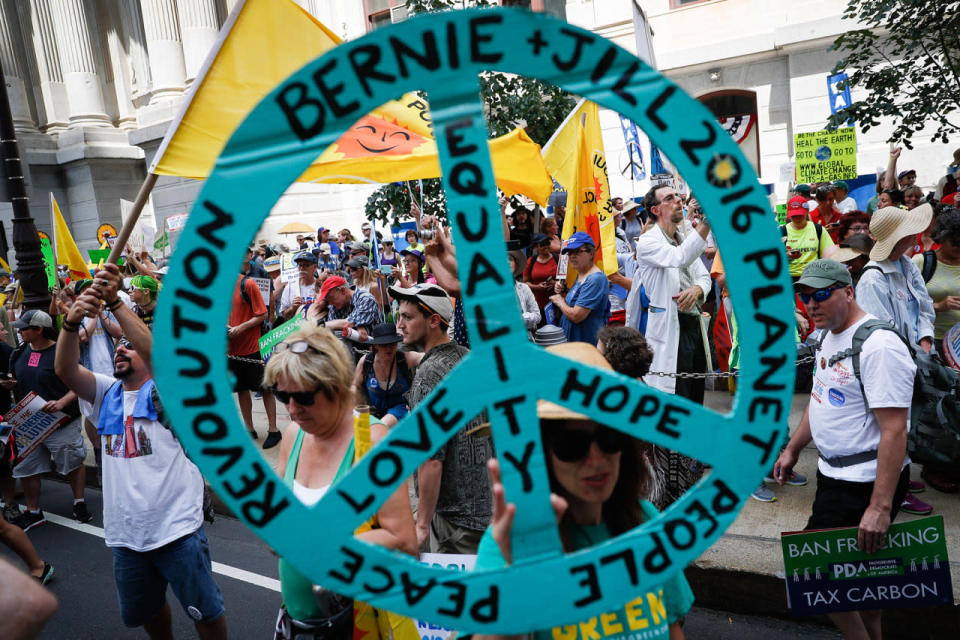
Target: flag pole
[{"x": 132, "y": 219}]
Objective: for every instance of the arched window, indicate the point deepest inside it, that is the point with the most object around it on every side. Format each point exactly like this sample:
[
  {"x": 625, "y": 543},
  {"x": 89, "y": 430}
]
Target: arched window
[{"x": 736, "y": 111}]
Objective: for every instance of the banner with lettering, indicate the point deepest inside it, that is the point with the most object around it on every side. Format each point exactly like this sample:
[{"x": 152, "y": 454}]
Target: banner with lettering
[
  {"x": 823, "y": 156},
  {"x": 826, "y": 571}
]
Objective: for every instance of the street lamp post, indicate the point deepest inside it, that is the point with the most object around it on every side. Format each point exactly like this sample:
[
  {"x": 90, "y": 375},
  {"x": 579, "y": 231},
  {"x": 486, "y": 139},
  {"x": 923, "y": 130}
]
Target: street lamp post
[{"x": 26, "y": 242}]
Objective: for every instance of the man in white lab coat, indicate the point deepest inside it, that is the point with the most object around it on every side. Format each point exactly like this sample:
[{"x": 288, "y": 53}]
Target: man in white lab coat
[{"x": 676, "y": 282}]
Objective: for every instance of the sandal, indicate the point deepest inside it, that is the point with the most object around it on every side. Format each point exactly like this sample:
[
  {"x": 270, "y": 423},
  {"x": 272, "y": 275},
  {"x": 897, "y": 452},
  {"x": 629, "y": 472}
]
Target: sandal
[{"x": 940, "y": 482}]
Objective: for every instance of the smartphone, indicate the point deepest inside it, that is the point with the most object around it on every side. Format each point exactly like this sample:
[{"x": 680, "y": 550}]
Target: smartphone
[{"x": 386, "y": 269}]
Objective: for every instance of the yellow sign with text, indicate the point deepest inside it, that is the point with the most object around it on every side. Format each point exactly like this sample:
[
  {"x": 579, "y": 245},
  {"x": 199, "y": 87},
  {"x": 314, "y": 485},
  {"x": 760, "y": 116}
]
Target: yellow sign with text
[{"x": 823, "y": 156}]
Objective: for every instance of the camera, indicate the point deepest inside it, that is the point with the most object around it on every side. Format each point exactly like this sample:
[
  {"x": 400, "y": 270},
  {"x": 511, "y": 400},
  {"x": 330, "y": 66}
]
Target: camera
[{"x": 427, "y": 234}]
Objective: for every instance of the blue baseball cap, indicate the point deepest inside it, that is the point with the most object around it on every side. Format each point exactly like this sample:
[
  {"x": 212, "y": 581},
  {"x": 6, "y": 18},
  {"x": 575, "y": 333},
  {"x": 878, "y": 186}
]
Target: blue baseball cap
[
  {"x": 577, "y": 240},
  {"x": 305, "y": 256}
]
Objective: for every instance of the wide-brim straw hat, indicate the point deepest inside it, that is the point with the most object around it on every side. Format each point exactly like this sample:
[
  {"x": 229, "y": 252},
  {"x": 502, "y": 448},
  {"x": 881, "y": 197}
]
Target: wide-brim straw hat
[
  {"x": 583, "y": 353},
  {"x": 891, "y": 224}
]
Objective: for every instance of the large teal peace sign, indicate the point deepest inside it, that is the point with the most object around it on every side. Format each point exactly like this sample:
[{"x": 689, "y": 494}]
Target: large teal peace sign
[{"x": 504, "y": 374}]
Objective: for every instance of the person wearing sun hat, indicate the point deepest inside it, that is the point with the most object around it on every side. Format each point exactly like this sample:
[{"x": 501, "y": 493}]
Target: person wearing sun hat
[
  {"x": 385, "y": 374},
  {"x": 891, "y": 286}
]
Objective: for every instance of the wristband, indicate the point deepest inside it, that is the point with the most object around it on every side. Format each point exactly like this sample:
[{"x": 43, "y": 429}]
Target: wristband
[
  {"x": 71, "y": 327},
  {"x": 116, "y": 304}
]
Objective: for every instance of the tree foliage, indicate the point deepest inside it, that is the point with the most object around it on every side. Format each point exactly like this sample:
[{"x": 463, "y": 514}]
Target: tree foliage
[
  {"x": 907, "y": 58},
  {"x": 509, "y": 102}
]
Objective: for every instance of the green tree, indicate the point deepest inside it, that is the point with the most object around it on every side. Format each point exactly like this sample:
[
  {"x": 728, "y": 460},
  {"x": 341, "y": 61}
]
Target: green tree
[
  {"x": 510, "y": 101},
  {"x": 907, "y": 59}
]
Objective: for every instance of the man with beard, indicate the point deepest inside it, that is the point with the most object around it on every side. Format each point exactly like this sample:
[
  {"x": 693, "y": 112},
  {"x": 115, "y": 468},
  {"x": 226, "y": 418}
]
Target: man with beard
[
  {"x": 455, "y": 500},
  {"x": 152, "y": 493}
]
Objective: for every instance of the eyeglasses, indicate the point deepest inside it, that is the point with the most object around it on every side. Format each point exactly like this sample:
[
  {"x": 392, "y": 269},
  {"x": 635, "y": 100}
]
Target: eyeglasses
[
  {"x": 300, "y": 346},
  {"x": 820, "y": 295},
  {"x": 125, "y": 344},
  {"x": 573, "y": 445},
  {"x": 860, "y": 227},
  {"x": 303, "y": 398}
]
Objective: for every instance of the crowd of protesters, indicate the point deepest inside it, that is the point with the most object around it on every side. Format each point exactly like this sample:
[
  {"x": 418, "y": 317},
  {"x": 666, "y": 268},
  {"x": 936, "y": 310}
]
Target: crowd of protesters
[{"x": 382, "y": 327}]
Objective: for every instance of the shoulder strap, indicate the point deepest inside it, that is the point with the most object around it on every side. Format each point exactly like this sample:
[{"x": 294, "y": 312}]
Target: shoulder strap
[
  {"x": 367, "y": 365},
  {"x": 868, "y": 268},
  {"x": 243, "y": 290},
  {"x": 16, "y": 355},
  {"x": 929, "y": 264},
  {"x": 819, "y": 231},
  {"x": 783, "y": 231},
  {"x": 860, "y": 336},
  {"x": 291, "y": 471}
]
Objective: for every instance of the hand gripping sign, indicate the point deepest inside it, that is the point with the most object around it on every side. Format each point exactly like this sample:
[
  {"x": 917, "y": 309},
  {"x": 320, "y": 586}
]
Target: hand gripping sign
[{"x": 504, "y": 373}]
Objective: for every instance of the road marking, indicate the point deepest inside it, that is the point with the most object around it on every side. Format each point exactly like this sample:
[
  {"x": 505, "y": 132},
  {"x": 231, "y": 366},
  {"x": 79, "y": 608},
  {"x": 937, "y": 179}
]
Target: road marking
[{"x": 218, "y": 567}]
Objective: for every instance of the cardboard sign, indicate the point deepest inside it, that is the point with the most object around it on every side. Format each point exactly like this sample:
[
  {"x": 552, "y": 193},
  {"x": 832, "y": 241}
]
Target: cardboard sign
[
  {"x": 826, "y": 572},
  {"x": 504, "y": 373},
  {"x": 277, "y": 335},
  {"x": 823, "y": 156},
  {"x": 31, "y": 425},
  {"x": 176, "y": 222},
  {"x": 288, "y": 268},
  {"x": 448, "y": 561},
  {"x": 264, "y": 285}
]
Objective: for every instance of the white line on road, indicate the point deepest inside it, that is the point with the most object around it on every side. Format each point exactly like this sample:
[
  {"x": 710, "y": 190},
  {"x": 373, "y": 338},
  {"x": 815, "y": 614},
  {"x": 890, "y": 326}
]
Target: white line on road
[{"x": 218, "y": 567}]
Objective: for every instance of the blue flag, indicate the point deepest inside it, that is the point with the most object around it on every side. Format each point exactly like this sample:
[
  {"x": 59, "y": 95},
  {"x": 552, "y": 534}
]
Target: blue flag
[
  {"x": 374, "y": 246},
  {"x": 839, "y": 98},
  {"x": 632, "y": 139},
  {"x": 656, "y": 162}
]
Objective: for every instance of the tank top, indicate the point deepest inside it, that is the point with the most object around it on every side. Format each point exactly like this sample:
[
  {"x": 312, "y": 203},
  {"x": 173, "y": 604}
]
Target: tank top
[{"x": 381, "y": 399}]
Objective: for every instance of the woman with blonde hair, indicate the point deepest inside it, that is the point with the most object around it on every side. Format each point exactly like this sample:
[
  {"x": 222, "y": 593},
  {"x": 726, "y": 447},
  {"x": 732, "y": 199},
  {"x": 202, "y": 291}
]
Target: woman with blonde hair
[{"x": 310, "y": 373}]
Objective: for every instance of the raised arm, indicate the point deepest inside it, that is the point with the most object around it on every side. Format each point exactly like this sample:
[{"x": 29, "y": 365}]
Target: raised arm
[
  {"x": 79, "y": 379},
  {"x": 106, "y": 285}
]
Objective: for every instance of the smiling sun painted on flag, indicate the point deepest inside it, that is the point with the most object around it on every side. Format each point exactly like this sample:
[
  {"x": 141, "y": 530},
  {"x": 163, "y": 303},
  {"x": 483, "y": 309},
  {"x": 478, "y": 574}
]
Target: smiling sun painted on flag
[
  {"x": 374, "y": 136},
  {"x": 723, "y": 171}
]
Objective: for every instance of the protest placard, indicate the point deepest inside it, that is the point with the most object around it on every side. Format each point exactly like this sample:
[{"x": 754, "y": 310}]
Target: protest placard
[
  {"x": 823, "y": 156},
  {"x": 264, "y": 285},
  {"x": 32, "y": 425},
  {"x": 272, "y": 339},
  {"x": 288, "y": 268},
  {"x": 453, "y": 561},
  {"x": 826, "y": 572}
]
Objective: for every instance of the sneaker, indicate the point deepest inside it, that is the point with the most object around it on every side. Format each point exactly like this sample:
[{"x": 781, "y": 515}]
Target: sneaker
[
  {"x": 763, "y": 494},
  {"x": 47, "y": 574},
  {"x": 916, "y": 486},
  {"x": 81, "y": 513},
  {"x": 11, "y": 512},
  {"x": 273, "y": 439},
  {"x": 795, "y": 479},
  {"x": 28, "y": 520},
  {"x": 916, "y": 506}
]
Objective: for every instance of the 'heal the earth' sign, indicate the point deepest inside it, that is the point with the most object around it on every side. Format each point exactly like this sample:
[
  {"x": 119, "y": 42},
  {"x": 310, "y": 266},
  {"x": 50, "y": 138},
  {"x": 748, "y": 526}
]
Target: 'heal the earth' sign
[{"x": 442, "y": 54}]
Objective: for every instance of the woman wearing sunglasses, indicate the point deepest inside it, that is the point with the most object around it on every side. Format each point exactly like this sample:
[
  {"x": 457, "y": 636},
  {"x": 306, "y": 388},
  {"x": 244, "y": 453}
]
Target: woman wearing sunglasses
[
  {"x": 310, "y": 373},
  {"x": 598, "y": 482}
]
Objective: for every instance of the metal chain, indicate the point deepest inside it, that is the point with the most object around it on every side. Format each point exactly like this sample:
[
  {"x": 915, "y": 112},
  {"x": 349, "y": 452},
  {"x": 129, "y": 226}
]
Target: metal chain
[
  {"x": 717, "y": 374},
  {"x": 250, "y": 360}
]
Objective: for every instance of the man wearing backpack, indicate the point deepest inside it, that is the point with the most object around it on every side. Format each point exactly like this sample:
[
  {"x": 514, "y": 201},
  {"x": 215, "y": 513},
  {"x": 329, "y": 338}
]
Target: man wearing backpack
[
  {"x": 243, "y": 351},
  {"x": 805, "y": 240},
  {"x": 857, "y": 422}
]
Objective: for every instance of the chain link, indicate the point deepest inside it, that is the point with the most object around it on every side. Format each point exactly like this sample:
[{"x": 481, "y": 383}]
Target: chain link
[
  {"x": 250, "y": 360},
  {"x": 716, "y": 374}
]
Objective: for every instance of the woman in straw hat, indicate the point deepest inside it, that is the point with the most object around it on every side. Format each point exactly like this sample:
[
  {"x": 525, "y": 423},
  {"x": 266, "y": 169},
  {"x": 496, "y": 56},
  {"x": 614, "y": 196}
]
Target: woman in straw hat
[
  {"x": 891, "y": 286},
  {"x": 599, "y": 484}
]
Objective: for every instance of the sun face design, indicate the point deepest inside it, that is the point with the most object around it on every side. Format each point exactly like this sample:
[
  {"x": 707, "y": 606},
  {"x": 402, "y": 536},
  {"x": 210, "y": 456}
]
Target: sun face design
[
  {"x": 377, "y": 136},
  {"x": 723, "y": 171}
]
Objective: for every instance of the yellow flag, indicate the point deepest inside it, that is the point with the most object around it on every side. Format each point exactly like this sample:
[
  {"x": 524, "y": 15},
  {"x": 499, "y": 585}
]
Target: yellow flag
[
  {"x": 575, "y": 158},
  {"x": 262, "y": 43},
  {"x": 67, "y": 251}
]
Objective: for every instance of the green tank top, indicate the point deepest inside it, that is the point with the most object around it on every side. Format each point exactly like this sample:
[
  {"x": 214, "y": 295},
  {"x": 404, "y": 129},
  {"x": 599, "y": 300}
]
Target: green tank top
[{"x": 296, "y": 589}]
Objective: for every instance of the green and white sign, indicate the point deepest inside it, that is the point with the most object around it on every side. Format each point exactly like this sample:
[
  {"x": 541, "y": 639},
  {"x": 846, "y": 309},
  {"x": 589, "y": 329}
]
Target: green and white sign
[{"x": 276, "y": 336}]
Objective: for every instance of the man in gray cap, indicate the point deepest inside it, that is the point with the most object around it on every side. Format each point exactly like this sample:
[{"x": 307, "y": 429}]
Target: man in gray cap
[
  {"x": 455, "y": 499},
  {"x": 32, "y": 367},
  {"x": 858, "y": 426}
]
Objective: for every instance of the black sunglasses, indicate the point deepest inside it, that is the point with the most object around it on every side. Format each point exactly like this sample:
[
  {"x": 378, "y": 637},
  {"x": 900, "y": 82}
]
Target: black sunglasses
[
  {"x": 571, "y": 445},
  {"x": 820, "y": 295},
  {"x": 303, "y": 398}
]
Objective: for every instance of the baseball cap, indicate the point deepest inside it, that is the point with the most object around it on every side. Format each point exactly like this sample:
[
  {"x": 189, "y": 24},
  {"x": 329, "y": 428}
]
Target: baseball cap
[
  {"x": 797, "y": 205},
  {"x": 577, "y": 240},
  {"x": 802, "y": 188},
  {"x": 366, "y": 225},
  {"x": 329, "y": 284},
  {"x": 413, "y": 252},
  {"x": 906, "y": 172},
  {"x": 431, "y": 296},
  {"x": 33, "y": 318},
  {"x": 324, "y": 247},
  {"x": 305, "y": 256},
  {"x": 822, "y": 273},
  {"x": 358, "y": 262},
  {"x": 840, "y": 184}
]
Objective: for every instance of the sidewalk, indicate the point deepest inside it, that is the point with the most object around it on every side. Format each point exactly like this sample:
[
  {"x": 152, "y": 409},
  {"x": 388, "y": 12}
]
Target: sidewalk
[{"x": 743, "y": 571}]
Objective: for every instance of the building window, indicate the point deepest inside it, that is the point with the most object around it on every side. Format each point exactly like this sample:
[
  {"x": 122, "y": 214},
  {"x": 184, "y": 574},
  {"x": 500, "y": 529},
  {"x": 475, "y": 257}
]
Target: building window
[
  {"x": 678, "y": 4},
  {"x": 384, "y": 12},
  {"x": 736, "y": 111}
]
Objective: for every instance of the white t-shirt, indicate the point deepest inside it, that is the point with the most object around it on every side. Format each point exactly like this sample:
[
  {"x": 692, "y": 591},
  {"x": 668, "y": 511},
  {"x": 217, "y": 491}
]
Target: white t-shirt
[
  {"x": 296, "y": 289},
  {"x": 837, "y": 419},
  {"x": 847, "y": 205},
  {"x": 152, "y": 493},
  {"x": 101, "y": 349}
]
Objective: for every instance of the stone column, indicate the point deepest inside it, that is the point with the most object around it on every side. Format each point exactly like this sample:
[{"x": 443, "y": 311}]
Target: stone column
[
  {"x": 74, "y": 29},
  {"x": 36, "y": 24},
  {"x": 163, "y": 44},
  {"x": 14, "y": 73},
  {"x": 199, "y": 27}
]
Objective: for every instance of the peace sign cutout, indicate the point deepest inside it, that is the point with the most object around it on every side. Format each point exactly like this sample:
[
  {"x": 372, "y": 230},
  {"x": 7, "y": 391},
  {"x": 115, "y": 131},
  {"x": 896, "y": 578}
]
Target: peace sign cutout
[{"x": 504, "y": 374}]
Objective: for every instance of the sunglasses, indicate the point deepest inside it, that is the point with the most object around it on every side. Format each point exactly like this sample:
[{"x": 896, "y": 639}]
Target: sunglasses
[
  {"x": 126, "y": 345},
  {"x": 303, "y": 398},
  {"x": 820, "y": 295},
  {"x": 573, "y": 445},
  {"x": 300, "y": 346}
]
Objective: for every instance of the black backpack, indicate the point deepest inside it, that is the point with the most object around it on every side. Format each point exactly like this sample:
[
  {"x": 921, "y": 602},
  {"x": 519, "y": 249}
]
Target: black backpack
[
  {"x": 929, "y": 264},
  {"x": 934, "y": 435}
]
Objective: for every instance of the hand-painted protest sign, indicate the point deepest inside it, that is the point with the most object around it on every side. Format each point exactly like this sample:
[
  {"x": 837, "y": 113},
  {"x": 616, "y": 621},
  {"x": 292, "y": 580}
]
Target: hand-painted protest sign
[
  {"x": 823, "y": 156},
  {"x": 264, "y": 285},
  {"x": 448, "y": 561},
  {"x": 288, "y": 268},
  {"x": 826, "y": 572},
  {"x": 32, "y": 425},
  {"x": 176, "y": 222},
  {"x": 504, "y": 374},
  {"x": 276, "y": 336}
]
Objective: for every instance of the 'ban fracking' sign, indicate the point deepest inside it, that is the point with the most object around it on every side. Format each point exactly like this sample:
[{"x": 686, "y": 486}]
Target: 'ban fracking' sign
[
  {"x": 826, "y": 571},
  {"x": 504, "y": 374}
]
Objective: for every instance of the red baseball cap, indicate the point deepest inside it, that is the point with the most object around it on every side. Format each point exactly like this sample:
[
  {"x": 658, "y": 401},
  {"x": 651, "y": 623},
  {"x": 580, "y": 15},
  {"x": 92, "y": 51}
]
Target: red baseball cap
[
  {"x": 797, "y": 205},
  {"x": 331, "y": 283}
]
